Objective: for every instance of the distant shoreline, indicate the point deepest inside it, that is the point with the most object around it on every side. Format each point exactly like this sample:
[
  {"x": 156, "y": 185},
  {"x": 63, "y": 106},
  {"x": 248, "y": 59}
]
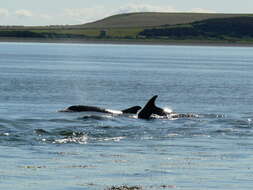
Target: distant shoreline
[
  {"x": 147, "y": 28},
  {"x": 127, "y": 42}
]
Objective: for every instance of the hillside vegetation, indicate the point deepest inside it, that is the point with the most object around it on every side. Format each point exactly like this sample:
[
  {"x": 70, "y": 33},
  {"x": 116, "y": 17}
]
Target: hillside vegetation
[
  {"x": 153, "y": 19},
  {"x": 220, "y": 29},
  {"x": 148, "y": 27}
]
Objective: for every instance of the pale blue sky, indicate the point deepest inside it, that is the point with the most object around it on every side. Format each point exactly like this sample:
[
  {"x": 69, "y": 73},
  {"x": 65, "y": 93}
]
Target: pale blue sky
[{"x": 48, "y": 12}]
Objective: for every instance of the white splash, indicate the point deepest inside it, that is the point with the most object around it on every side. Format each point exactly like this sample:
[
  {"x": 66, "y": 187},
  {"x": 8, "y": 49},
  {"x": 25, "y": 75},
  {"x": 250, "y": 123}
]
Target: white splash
[
  {"x": 172, "y": 135},
  {"x": 115, "y": 139},
  {"x": 80, "y": 140},
  {"x": 114, "y": 111},
  {"x": 168, "y": 110},
  {"x": 249, "y": 121},
  {"x": 133, "y": 116}
]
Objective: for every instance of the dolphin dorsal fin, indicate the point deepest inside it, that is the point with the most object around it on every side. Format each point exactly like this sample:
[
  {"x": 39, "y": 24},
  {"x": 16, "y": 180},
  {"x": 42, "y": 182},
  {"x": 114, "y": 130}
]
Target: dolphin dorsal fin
[{"x": 148, "y": 109}]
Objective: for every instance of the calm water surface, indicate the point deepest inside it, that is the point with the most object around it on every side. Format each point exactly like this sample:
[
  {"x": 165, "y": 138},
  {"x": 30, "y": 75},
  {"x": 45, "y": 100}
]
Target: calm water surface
[{"x": 41, "y": 148}]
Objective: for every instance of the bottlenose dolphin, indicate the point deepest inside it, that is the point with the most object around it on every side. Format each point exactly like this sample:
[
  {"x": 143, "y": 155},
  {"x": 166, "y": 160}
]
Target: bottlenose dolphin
[{"x": 82, "y": 108}]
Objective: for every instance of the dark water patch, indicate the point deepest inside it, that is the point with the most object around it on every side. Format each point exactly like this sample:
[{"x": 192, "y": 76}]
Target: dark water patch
[
  {"x": 17, "y": 140},
  {"x": 5, "y": 121},
  {"x": 30, "y": 120},
  {"x": 110, "y": 127},
  {"x": 61, "y": 136},
  {"x": 58, "y": 132},
  {"x": 62, "y": 120},
  {"x": 241, "y": 123},
  {"x": 232, "y": 156},
  {"x": 232, "y": 132},
  {"x": 12, "y": 123},
  {"x": 65, "y": 132},
  {"x": 53, "y": 120},
  {"x": 41, "y": 132},
  {"x": 106, "y": 155},
  {"x": 157, "y": 172},
  {"x": 223, "y": 131},
  {"x": 248, "y": 145},
  {"x": 16, "y": 132},
  {"x": 91, "y": 133},
  {"x": 137, "y": 175}
]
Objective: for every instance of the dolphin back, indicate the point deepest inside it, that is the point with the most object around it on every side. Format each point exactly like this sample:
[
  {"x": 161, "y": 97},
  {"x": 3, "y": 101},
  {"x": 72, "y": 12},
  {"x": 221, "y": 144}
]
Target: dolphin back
[
  {"x": 81, "y": 108},
  {"x": 132, "y": 110}
]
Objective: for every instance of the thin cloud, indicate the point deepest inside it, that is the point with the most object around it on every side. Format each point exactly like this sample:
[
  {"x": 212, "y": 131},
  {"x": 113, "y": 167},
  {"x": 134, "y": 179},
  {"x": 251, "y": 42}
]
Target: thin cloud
[
  {"x": 86, "y": 14},
  {"x": 23, "y": 13},
  {"x": 4, "y": 12},
  {"x": 81, "y": 15},
  {"x": 144, "y": 8},
  {"x": 200, "y": 10}
]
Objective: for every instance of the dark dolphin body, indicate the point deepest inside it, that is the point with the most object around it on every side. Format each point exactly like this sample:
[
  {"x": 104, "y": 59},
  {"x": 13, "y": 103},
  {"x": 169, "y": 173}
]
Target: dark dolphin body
[{"x": 81, "y": 108}]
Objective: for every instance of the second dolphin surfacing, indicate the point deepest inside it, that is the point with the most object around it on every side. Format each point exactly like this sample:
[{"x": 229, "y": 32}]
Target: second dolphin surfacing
[
  {"x": 150, "y": 108},
  {"x": 82, "y": 108}
]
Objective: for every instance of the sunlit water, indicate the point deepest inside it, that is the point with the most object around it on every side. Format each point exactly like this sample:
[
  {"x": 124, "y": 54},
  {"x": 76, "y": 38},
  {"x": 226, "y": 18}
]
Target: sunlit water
[{"x": 41, "y": 148}]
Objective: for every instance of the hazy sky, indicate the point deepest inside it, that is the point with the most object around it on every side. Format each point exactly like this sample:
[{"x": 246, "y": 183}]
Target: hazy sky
[{"x": 49, "y": 12}]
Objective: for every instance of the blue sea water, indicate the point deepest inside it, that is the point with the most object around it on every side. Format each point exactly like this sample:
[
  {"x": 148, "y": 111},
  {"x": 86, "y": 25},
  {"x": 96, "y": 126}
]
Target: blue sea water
[{"x": 41, "y": 148}]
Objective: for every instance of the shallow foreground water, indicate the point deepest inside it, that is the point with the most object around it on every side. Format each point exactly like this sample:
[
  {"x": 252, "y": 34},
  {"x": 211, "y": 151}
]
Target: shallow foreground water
[{"x": 41, "y": 148}]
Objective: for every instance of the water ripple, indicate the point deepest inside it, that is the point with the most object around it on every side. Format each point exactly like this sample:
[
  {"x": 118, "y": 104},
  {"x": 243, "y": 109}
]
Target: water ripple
[{"x": 97, "y": 128}]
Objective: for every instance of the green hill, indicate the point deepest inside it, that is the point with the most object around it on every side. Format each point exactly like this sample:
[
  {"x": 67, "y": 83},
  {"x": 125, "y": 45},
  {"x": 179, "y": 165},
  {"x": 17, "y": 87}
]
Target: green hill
[
  {"x": 151, "y": 27},
  {"x": 235, "y": 28},
  {"x": 154, "y": 19}
]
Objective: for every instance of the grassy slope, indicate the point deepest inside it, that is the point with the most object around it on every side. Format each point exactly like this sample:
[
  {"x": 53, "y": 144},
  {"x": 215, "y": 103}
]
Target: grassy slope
[
  {"x": 153, "y": 19},
  {"x": 122, "y": 26},
  {"x": 222, "y": 29}
]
